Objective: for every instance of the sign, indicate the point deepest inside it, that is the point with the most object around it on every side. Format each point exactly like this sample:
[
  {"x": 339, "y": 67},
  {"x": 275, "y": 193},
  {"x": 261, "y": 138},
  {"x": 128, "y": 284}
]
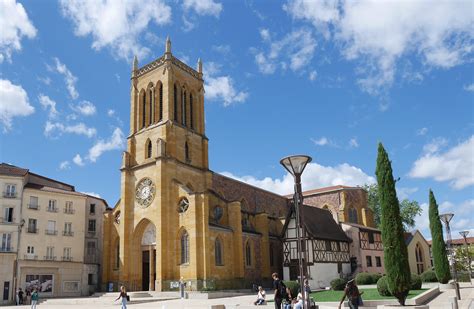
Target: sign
[{"x": 174, "y": 284}]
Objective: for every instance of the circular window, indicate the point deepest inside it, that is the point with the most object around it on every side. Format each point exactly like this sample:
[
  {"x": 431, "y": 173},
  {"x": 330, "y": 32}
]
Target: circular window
[
  {"x": 218, "y": 212},
  {"x": 183, "y": 205}
]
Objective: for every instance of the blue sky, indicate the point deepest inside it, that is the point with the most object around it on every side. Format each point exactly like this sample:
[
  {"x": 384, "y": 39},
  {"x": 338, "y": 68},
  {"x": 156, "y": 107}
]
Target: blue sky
[{"x": 329, "y": 79}]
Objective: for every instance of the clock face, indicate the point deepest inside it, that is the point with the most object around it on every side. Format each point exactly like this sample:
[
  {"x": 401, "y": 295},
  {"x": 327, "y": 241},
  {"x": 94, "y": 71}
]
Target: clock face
[{"x": 145, "y": 192}]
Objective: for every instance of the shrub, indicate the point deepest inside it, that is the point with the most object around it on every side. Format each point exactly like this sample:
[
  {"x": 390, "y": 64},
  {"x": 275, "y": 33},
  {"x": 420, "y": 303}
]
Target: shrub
[
  {"x": 463, "y": 277},
  {"x": 294, "y": 286},
  {"x": 415, "y": 282},
  {"x": 382, "y": 287},
  {"x": 338, "y": 284},
  {"x": 363, "y": 278},
  {"x": 375, "y": 277},
  {"x": 429, "y": 276}
]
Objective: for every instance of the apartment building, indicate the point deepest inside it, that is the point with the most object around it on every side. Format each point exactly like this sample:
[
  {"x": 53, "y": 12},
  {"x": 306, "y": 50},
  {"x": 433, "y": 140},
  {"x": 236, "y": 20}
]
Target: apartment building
[{"x": 53, "y": 242}]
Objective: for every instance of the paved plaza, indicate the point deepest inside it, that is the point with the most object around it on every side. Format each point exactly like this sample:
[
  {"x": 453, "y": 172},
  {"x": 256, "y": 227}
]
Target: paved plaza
[{"x": 442, "y": 301}]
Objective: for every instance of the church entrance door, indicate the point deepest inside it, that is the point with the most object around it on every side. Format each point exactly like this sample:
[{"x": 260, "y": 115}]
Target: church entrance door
[{"x": 145, "y": 270}]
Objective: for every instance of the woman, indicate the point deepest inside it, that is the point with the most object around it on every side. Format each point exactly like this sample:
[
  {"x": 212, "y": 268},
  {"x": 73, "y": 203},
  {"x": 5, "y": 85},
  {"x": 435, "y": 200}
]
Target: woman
[
  {"x": 260, "y": 297},
  {"x": 34, "y": 298},
  {"x": 288, "y": 299},
  {"x": 124, "y": 296},
  {"x": 353, "y": 295}
]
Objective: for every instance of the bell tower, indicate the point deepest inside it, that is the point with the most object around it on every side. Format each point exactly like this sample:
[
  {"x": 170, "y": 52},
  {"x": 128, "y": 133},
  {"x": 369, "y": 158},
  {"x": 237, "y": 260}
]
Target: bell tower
[{"x": 167, "y": 112}]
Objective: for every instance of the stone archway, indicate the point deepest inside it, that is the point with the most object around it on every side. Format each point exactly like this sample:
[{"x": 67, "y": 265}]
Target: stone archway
[{"x": 144, "y": 243}]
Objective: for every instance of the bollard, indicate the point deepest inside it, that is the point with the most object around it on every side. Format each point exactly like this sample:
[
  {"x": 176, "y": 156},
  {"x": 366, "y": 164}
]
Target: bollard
[{"x": 454, "y": 302}]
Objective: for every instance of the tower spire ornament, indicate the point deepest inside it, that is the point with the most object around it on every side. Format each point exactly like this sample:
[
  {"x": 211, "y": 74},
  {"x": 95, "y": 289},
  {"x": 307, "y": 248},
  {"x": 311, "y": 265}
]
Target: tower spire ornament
[
  {"x": 199, "y": 66},
  {"x": 135, "y": 63},
  {"x": 168, "y": 45}
]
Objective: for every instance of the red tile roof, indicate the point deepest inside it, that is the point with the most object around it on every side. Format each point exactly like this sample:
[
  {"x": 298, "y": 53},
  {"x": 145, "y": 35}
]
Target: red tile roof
[
  {"x": 12, "y": 170},
  {"x": 459, "y": 241},
  {"x": 324, "y": 190}
]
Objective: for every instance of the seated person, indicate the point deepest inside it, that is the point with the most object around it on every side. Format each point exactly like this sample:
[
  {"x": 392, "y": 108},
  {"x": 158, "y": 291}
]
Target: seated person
[
  {"x": 260, "y": 297},
  {"x": 288, "y": 299}
]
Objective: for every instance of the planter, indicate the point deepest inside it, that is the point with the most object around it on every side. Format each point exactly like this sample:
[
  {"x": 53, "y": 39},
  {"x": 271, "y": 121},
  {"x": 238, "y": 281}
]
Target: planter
[{"x": 446, "y": 286}]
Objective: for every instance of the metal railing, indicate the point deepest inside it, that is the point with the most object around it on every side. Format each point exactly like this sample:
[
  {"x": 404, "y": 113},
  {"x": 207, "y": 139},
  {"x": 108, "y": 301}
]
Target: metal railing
[
  {"x": 68, "y": 233},
  {"x": 91, "y": 258},
  {"x": 69, "y": 211},
  {"x": 3, "y": 220},
  {"x": 51, "y": 232},
  {"x": 6, "y": 249},
  {"x": 30, "y": 257},
  {"x": 49, "y": 258},
  {"x": 91, "y": 233},
  {"x": 52, "y": 209},
  {"x": 32, "y": 230},
  {"x": 7, "y": 194},
  {"x": 67, "y": 258},
  {"x": 33, "y": 206}
]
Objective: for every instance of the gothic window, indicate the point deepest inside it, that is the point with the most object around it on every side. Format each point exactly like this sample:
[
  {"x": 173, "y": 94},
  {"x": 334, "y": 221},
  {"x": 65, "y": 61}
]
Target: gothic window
[
  {"x": 144, "y": 110},
  {"x": 152, "y": 110},
  {"x": 175, "y": 105},
  {"x": 419, "y": 259},
  {"x": 183, "y": 108},
  {"x": 184, "y": 248},
  {"x": 161, "y": 102},
  {"x": 183, "y": 205},
  {"x": 117, "y": 255},
  {"x": 352, "y": 215},
  {"x": 218, "y": 253},
  {"x": 186, "y": 152},
  {"x": 149, "y": 149},
  {"x": 272, "y": 257},
  {"x": 191, "y": 121},
  {"x": 218, "y": 212},
  {"x": 248, "y": 254}
]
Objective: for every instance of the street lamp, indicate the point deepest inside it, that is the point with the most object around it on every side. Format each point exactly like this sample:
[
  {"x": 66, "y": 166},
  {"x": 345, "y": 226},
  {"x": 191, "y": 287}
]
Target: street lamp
[
  {"x": 446, "y": 218},
  {"x": 295, "y": 165},
  {"x": 464, "y": 235}
]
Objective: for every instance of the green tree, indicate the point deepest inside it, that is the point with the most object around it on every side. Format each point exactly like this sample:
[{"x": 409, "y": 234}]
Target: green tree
[
  {"x": 440, "y": 257},
  {"x": 463, "y": 257},
  {"x": 394, "y": 247},
  {"x": 409, "y": 209}
]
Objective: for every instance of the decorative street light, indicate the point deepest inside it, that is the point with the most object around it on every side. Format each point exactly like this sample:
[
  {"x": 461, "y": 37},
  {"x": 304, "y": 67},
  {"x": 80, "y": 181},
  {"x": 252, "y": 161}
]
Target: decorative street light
[
  {"x": 295, "y": 165},
  {"x": 464, "y": 235},
  {"x": 446, "y": 218}
]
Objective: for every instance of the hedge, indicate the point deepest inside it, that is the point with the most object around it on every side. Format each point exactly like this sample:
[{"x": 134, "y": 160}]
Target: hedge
[
  {"x": 415, "y": 283},
  {"x": 294, "y": 286},
  {"x": 429, "y": 276},
  {"x": 338, "y": 284},
  {"x": 382, "y": 287}
]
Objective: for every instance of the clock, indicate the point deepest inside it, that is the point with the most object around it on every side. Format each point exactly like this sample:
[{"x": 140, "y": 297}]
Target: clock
[{"x": 145, "y": 192}]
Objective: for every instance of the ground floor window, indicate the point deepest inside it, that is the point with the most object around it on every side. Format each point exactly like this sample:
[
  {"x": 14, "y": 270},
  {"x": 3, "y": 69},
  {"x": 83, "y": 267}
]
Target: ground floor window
[
  {"x": 378, "y": 261},
  {"x": 369, "y": 260}
]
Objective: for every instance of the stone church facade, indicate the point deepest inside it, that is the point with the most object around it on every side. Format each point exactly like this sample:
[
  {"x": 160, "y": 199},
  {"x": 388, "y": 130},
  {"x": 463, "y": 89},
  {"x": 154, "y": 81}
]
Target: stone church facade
[{"x": 176, "y": 219}]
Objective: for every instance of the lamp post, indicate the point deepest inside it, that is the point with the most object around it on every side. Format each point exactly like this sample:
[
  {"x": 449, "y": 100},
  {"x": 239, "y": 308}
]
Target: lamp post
[
  {"x": 446, "y": 218},
  {"x": 295, "y": 165},
  {"x": 464, "y": 235}
]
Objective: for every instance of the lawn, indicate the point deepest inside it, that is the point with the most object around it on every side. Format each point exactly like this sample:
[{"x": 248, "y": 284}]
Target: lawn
[{"x": 369, "y": 294}]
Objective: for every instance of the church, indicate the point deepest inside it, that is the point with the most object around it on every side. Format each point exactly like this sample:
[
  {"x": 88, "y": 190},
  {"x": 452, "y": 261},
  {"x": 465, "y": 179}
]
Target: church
[{"x": 176, "y": 219}]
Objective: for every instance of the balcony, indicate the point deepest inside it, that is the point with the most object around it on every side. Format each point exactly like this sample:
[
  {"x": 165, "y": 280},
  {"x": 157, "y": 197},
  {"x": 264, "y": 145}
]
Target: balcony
[
  {"x": 8, "y": 194},
  {"x": 6, "y": 249},
  {"x": 67, "y": 258},
  {"x": 33, "y": 206},
  {"x": 32, "y": 230},
  {"x": 90, "y": 259},
  {"x": 51, "y": 232},
  {"x": 7, "y": 220},
  {"x": 52, "y": 209},
  {"x": 91, "y": 233},
  {"x": 49, "y": 258},
  {"x": 68, "y": 233},
  {"x": 30, "y": 257},
  {"x": 69, "y": 211}
]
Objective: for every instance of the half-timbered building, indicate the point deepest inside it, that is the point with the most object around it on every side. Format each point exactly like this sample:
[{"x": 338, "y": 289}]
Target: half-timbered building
[{"x": 325, "y": 244}]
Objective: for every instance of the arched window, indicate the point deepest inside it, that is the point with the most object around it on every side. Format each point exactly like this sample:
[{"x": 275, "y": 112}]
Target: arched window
[
  {"x": 272, "y": 257},
  {"x": 161, "y": 102},
  {"x": 144, "y": 110},
  {"x": 183, "y": 108},
  {"x": 248, "y": 254},
  {"x": 420, "y": 266},
  {"x": 352, "y": 215},
  {"x": 149, "y": 149},
  {"x": 175, "y": 103},
  {"x": 151, "y": 118},
  {"x": 117, "y": 255},
  {"x": 191, "y": 120},
  {"x": 218, "y": 252},
  {"x": 186, "y": 152},
  {"x": 184, "y": 248}
]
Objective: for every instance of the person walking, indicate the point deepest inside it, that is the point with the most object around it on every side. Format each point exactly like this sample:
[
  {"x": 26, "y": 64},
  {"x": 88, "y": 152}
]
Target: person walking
[
  {"x": 353, "y": 295},
  {"x": 20, "y": 296},
  {"x": 34, "y": 298},
  {"x": 279, "y": 290},
  {"x": 124, "y": 296}
]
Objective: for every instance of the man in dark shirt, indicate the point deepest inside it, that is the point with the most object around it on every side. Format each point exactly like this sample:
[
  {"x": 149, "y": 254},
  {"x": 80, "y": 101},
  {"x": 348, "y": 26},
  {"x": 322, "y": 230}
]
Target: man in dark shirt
[
  {"x": 20, "y": 296},
  {"x": 277, "y": 295}
]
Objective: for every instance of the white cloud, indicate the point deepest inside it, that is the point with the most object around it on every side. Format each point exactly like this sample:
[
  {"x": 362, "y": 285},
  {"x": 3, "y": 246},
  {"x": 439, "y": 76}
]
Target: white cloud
[
  {"x": 378, "y": 34},
  {"x": 203, "y": 7},
  {"x": 223, "y": 49},
  {"x": 15, "y": 24},
  {"x": 469, "y": 87},
  {"x": 69, "y": 78},
  {"x": 56, "y": 129},
  {"x": 435, "y": 145},
  {"x": 116, "y": 141},
  {"x": 422, "y": 131},
  {"x": 65, "y": 165},
  {"x": 85, "y": 108},
  {"x": 187, "y": 24},
  {"x": 92, "y": 194},
  {"x": 312, "y": 75},
  {"x": 353, "y": 142},
  {"x": 116, "y": 24},
  {"x": 314, "y": 176},
  {"x": 78, "y": 160},
  {"x": 222, "y": 88},
  {"x": 110, "y": 112},
  {"x": 456, "y": 165},
  {"x": 404, "y": 192},
  {"x": 323, "y": 141},
  {"x": 14, "y": 102},
  {"x": 295, "y": 50},
  {"x": 46, "y": 102}
]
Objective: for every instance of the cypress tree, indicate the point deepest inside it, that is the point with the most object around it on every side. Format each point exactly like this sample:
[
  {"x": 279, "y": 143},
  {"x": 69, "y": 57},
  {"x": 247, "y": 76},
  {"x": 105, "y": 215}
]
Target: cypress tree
[
  {"x": 397, "y": 268},
  {"x": 440, "y": 258}
]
